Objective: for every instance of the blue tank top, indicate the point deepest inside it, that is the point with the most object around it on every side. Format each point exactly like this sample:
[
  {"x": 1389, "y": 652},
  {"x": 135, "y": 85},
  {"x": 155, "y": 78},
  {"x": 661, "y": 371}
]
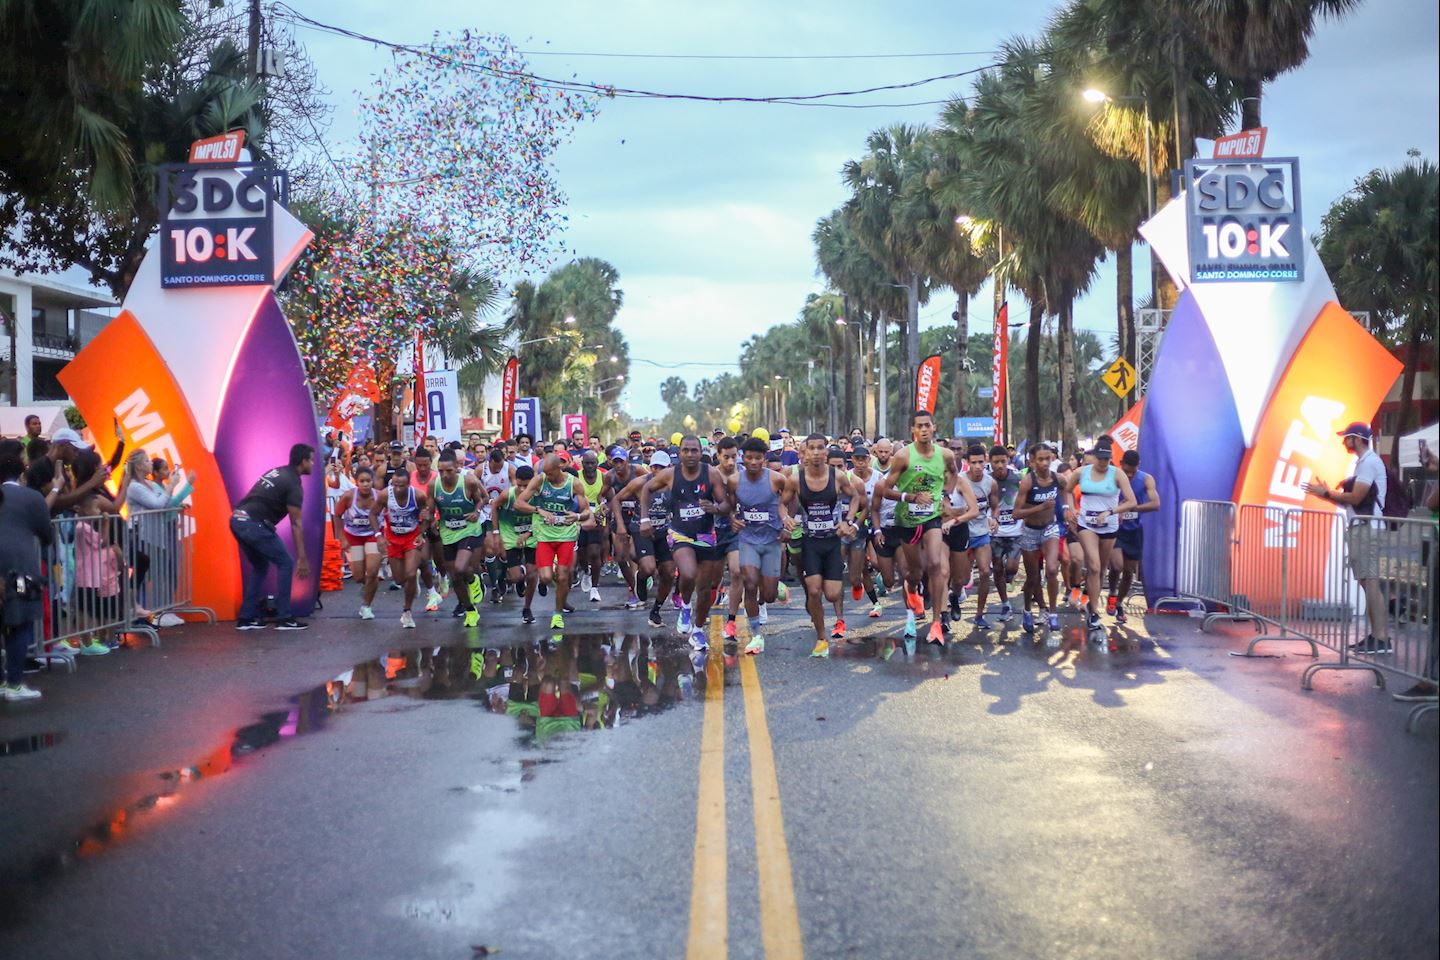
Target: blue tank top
[
  {"x": 759, "y": 506},
  {"x": 1131, "y": 520}
]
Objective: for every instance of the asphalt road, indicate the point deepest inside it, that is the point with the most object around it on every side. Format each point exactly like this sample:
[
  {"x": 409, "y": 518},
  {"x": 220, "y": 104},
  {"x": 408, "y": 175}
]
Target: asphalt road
[{"x": 358, "y": 791}]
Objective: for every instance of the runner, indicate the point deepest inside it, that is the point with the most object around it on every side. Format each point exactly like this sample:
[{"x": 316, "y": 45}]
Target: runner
[
  {"x": 649, "y": 535},
  {"x": 727, "y": 540},
  {"x": 884, "y": 535},
  {"x": 921, "y": 478},
  {"x": 977, "y": 554},
  {"x": 354, "y": 527},
  {"x": 593, "y": 534},
  {"x": 517, "y": 539},
  {"x": 1105, "y": 494},
  {"x": 561, "y": 508},
  {"x": 697, "y": 494},
  {"x": 405, "y": 511},
  {"x": 1037, "y": 504},
  {"x": 617, "y": 478},
  {"x": 522, "y": 457},
  {"x": 857, "y": 549},
  {"x": 818, "y": 487},
  {"x": 496, "y": 477},
  {"x": 1131, "y": 538},
  {"x": 459, "y": 500},
  {"x": 423, "y": 478},
  {"x": 760, "y": 496},
  {"x": 1005, "y": 543}
]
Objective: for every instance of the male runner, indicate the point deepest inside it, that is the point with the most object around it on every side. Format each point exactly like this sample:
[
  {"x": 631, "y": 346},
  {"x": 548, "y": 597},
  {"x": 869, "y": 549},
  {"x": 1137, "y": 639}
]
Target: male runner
[
  {"x": 354, "y": 527},
  {"x": 1005, "y": 543},
  {"x": 649, "y": 534},
  {"x": 553, "y": 495},
  {"x": 760, "y": 495},
  {"x": 697, "y": 494},
  {"x": 522, "y": 456},
  {"x": 459, "y": 500},
  {"x": 515, "y": 535},
  {"x": 727, "y": 541},
  {"x": 1038, "y": 504},
  {"x": 921, "y": 478},
  {"x": 405, "y": 511},
  {"x": 862, "y": 475},
  {"x": 818, "y": 487},
  {"x": 884, "y": 535},
  {"x": 594, "y": 538},
  {"x": 623, "y": 515},
  {"x": 1131, "y": 538},
  {"x": 423, "y": 478},
  {"x": 496, "y": 477},
  {"x": 1105, "y": 494},
  {"x": 982, "y": 528}
]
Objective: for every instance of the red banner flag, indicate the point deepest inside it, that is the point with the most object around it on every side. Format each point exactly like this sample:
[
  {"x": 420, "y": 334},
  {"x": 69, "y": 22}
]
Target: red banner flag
[
  {"x": 422, "y": 420},
  {"x": 509, "y": 391},
  {"x": 1126, "y": 432},
  {"x": 999, "y": 364},
  {"x": 927, "y": 383}
]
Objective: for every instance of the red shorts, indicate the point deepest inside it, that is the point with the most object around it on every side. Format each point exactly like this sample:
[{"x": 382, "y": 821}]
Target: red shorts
[
  {"x": 351, "y": 540},
  {"x": 399, "y": 544},
  {"x": 559, "y": 552}
]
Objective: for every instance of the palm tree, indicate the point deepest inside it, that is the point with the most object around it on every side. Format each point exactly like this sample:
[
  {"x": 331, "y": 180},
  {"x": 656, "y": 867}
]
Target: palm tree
[
  {"x": 1254, "y": 41},
  {"x": 1379, "y": 245}
]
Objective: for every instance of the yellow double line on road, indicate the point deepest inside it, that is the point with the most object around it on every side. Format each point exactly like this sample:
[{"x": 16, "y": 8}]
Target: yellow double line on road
[{"x": 709, "y": 903}]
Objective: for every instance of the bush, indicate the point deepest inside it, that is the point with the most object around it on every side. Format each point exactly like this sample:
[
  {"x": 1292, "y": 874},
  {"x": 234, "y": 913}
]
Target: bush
[{"x": 72, "y": 417}]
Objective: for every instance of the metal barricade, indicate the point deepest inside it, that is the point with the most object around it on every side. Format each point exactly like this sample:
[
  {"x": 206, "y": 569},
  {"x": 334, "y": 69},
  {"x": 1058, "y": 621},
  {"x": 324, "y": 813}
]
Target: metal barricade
[
  {"x": 1391, "y": 625},
  {"x": 161, "y": 558},
  {"x": 1207, "y": 535},
  {"x": 90, "y": 587}
]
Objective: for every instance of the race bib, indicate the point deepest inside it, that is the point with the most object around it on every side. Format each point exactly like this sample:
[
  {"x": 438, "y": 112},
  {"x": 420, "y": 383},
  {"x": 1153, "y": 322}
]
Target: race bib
[
  {"x": 456, "y": 523},
  {"x": 1006, "y": 516},
  {"x": 691, "y": 513},
  {"x": 820, "y": 526},
  {"x": 521, "y": 529},
  {"x": 1092, "y": 517},
  {"x": 756, "y": 516},
  {"x": 1129, "y": 515},
  {"x": 556, "y": 520}
]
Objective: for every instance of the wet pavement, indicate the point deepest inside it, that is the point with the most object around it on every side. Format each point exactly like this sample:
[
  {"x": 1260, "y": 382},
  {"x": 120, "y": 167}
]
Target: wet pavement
[{"x": 362, "y": 791}]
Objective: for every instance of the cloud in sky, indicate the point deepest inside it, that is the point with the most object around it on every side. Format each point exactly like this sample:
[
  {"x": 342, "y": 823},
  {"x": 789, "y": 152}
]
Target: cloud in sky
[{"x": 706, "y": 209}]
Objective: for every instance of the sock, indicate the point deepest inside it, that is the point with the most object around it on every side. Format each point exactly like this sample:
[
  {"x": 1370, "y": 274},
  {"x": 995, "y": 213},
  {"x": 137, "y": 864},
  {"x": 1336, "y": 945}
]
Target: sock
[{"x": 870, "y": 592}]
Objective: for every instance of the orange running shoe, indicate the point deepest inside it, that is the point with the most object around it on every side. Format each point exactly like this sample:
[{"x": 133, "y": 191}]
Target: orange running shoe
[
  {"x": 729, "y": 630},
  {"x": 913, "y": 601},
  {"x": 937, "y": 634},
  {"x": 855, "y": 592},
  {"x": 839, "y": 632}
]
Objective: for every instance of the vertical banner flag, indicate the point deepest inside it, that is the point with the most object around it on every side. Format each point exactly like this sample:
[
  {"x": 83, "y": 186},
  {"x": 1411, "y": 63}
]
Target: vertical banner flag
[
  {"x": 1126, "y": 432},
  {"x": 509, "y": 390},
  {"x": 442, "y": 406},
  {"x": 927, "y": 383},
  {"x": 575, "y": 421},
  {"x": 999, "y": 363},
  {"x": 421, "y": 390}
]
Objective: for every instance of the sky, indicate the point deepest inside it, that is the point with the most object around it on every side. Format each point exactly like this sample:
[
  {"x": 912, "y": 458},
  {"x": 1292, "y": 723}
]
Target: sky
[{"x": 706, "y": 210}]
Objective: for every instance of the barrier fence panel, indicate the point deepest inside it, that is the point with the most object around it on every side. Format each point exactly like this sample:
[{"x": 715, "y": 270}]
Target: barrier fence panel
[
  {"x": 1391, "y": 625},
  {"x": 90, "y": 583},
  {"x": 1207, "y": 533},
  {"x": 162, "y": 561}
]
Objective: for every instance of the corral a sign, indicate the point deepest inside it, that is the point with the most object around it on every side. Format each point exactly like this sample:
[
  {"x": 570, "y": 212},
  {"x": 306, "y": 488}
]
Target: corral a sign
[{"x": 1243, "y": 219}]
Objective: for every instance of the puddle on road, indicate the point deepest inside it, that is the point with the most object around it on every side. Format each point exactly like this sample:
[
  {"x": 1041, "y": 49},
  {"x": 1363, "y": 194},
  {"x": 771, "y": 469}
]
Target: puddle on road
[{"x": 567, "y": 684}]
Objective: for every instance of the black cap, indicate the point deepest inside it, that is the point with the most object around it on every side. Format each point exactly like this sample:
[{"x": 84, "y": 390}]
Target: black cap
[
  {"x": 396, "y": 446},
  {"x": 860, "y": 451}
]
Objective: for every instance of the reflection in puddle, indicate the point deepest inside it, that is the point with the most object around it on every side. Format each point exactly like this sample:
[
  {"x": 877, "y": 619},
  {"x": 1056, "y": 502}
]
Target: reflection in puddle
[{"x": 567, "y": 683}]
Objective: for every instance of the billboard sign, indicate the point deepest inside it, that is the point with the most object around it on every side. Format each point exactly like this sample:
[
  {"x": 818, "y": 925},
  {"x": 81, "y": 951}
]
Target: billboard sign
[
  {"x": 1243, "y": 220},
  {"x": 526, "y": 418},
  {"x": 974, "y": 426},
  {"x": 217, "y": 229}
]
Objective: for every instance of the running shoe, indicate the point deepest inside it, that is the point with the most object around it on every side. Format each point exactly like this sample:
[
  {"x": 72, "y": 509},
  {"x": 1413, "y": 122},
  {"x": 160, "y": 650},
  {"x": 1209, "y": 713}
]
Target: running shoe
[
  {"x": 1054, "y": 621},
  {"x": 1110, "y": 604},
  {"x": 407, "y": 622},
  {"x": 855, "y": 592},
  {"x": 19, "y": 691},
  {"x": 698, "y": 640},
  {"x": 910, "y": 645},
  {"x": 244, "y": 623},
  {"x": 875, "y": 609},
  {"x": 432, "y": 601},
  {"x": 542, "y": 589},
  {"x": 822, "y": 649},
  {"x": 756, "y": 645},
  {"x": 764, "y": 616},
  {"x": 720, "y": 598},
  {"x": 880, "y": 588},
  {"x": 839, "y": 632},
  {"x": 1370, "y": 644},
  {"x": 913, "y": 601},
  {"x": 475, "y": 590},
  {"x": 1120, "y": 616},
  {"x": 567, "y": 609},
  {"x": 887, "y": 649},
  {"x": 557, "y": 622},
  {"x": 526, "y": 616},
  {"x": 1094, "y": 621},
  {"x": 290, "y": 623},
  {"x": 585, "y": 583},
  {"x": 366, "y": 613},
  {"x": 980, "y": 622},
  {"x": 782, "y": 592},
  {"x": 676, "y": 602},
  {"x": 472, "y": 618},
  {"x": 94, "y": 649},
  {"x": 633, "y": 603},
  {"x": 682, "y": 622},
  {"x": 729, "y": 630},
  {"x": 654, "y": 618},
  {"x": 910, "y": 623},
  {"x": 594, "y": 594},
  {"x": 937, "y": 635},
  {"x": 1006, "y": 612},
  {"x": 1027, "y": 622},
  {"x": 955, "y": 602},
  {"x": 458, "y": 612}
]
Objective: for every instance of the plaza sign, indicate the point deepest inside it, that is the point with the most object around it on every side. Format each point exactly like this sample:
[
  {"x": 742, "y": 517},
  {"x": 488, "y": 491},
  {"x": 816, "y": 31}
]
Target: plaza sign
[{"x": 1243, "y": 220}]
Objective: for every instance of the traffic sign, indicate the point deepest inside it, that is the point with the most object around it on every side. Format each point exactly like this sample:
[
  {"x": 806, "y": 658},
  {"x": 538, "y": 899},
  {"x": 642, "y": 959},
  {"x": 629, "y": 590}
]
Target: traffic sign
[
  {"x": 974, "y": 426},
  {"x": 1120, "y": 377}
]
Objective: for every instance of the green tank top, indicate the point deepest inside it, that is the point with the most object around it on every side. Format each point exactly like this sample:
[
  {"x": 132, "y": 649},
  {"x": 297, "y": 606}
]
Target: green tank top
[
  {"x": 553, "y": 499},
  {"x": 592, "y": 493},
  {"x": 923, "y": 475},
  {"x": 514, "y": 525},
  {"x": 453, "y": 505}
]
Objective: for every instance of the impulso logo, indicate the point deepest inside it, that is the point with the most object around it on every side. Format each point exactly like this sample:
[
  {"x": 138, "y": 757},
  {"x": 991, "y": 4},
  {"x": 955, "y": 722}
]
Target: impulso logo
[{"x": 1244, "y": 220}]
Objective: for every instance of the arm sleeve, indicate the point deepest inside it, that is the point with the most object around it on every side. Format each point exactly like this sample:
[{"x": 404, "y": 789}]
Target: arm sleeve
[
  {"x": 295, "y": 496},
  {"x": 146, "y": 497},
  {"x": 178, "y": 497}
]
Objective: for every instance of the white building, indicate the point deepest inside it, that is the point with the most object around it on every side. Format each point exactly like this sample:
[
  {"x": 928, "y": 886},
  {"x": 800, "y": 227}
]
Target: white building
[{"x": 45, "y": 322}]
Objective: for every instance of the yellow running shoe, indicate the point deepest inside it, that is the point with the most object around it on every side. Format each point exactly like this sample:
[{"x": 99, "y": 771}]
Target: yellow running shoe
[{"x": 822, "y": 649}]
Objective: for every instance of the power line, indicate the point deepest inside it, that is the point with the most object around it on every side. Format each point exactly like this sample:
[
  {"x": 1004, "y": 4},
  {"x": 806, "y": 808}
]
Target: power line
[
  {"x": 286, "y": 12},
  {"x": 756, "y": 56}
]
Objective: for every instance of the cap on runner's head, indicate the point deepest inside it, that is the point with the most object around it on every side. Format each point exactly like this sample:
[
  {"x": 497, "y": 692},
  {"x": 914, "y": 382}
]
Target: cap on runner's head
[
  {"x": 660, "y": 459},
  {"x": 835, "y": 452},
  {"x": 1356, "y": 429},
  {"x": 66, "y": 435},
  {"x": 860, "y": 450},
  {"x": 634, "y": 434},
  {"x": 636, "y": 458},
  {"x": 396, "y": 446},
  {"x": 1102, "y": 450},
  {"x": 618, "y": 453}
]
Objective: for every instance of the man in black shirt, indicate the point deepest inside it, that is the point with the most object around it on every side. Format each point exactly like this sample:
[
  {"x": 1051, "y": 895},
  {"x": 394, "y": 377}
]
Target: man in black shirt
[{"x": 275, "y": 495}]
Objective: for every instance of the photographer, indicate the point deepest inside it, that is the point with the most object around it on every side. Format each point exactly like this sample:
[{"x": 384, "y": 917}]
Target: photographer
[{"x": 24, "y": 528}]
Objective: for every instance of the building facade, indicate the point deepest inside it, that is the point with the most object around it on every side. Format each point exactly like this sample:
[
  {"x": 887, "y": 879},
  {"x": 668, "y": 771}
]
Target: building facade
[{"x": 44, "y": 322}]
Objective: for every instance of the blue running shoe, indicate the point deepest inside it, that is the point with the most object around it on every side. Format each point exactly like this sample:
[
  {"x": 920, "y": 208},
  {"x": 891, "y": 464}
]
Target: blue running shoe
[
  {"x": 981, "y": 623},
  {"x": 910, "y": 624},
  {"x": 1027, "y": 622}
]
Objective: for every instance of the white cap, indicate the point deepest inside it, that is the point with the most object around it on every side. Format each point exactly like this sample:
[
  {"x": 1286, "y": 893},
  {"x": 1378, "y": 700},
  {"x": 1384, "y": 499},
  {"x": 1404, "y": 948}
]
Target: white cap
[
  {"x": 66, "y": 435},
  {"x": 659, "y": 459}
]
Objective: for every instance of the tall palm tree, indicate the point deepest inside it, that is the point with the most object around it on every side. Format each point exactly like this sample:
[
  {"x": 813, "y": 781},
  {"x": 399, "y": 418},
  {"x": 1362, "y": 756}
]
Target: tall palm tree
[
  {"x": 1379, "y": 245},
  {"x": 1254, "y": 41}
]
